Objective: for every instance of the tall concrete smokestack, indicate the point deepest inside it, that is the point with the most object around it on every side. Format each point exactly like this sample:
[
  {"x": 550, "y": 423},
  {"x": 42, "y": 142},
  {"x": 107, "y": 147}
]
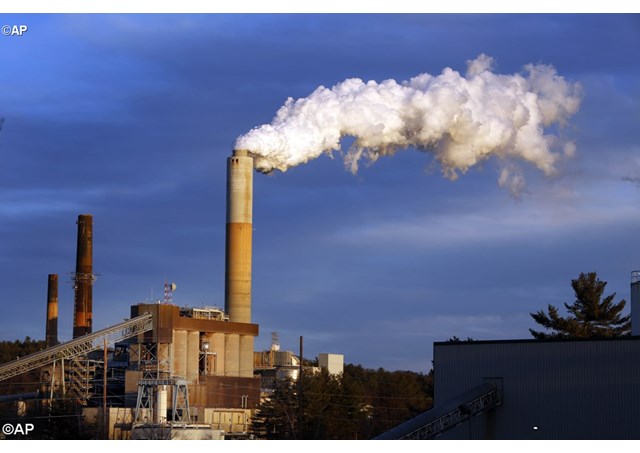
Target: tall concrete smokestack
[
  {"x": 237, "y": 302},
  {"x": 238, "y": 351},
  {"x": 83, "y": 278},
  {"x": 51, "y": 331}
]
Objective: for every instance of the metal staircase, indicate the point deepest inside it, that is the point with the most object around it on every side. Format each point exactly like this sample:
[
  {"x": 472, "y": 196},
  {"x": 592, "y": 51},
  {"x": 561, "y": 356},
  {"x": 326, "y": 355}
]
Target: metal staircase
[
  {"x": 80, "y": 374},
  {"x": 78, "y": 347}
]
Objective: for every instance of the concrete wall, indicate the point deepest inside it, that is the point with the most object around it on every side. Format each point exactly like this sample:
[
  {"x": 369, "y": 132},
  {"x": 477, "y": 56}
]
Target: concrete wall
[
  {"x": 232, "y": 355},
  {"x": 246, "y": 356},
  {"x": 193, "y": 356},
  {"x": 216, "y": 341},
  {"x": 180, "y": 353}
]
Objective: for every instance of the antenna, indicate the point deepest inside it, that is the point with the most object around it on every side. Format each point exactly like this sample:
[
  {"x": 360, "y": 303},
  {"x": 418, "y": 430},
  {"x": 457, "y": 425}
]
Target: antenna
[
  {"x": 275, "y": 341},
  {"x": 169, "y": 288}
]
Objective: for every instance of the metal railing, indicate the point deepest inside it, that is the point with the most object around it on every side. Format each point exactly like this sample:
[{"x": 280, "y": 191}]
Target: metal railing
[
  {"x": 78, "y": 347},
  {"x": 455, "y": 417}
]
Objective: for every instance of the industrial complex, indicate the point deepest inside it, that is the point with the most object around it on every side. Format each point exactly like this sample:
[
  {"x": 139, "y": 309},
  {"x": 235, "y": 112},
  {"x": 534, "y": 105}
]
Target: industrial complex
[
  {"x": 171, "y": 372},
  {"x": 167, "y": 372}
]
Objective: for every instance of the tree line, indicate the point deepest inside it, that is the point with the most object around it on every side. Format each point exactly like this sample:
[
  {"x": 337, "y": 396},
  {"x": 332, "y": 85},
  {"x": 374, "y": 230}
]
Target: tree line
[
  {"x": 11, "y": 350},
  {"x": 360, "y": 403}
]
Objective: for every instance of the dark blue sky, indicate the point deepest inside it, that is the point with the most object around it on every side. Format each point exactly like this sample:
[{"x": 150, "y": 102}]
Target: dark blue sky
[{"x": 131, "y": 117}]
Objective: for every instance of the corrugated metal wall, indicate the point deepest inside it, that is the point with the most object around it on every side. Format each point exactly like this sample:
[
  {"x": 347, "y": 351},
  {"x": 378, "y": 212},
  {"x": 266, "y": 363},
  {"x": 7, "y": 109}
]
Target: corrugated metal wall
[{"x": 586, "y": 389}]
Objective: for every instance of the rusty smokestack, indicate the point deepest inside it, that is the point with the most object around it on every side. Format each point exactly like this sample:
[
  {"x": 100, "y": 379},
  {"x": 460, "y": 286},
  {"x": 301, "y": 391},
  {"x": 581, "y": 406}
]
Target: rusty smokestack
[
  {"x": 51, "y": 331},
  {"x": 237, "y": 302},
  {"x": 83, "y": 278}
]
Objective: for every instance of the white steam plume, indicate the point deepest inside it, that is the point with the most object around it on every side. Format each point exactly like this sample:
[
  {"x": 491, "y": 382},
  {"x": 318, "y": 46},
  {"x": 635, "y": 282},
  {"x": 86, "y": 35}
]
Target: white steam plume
[{"x": 462, "y": 120}]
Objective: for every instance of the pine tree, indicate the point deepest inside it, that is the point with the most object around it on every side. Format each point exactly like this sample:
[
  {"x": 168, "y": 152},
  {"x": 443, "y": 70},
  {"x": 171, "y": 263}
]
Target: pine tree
[
  {"x": 277, "y": 416},
  {"x": 357, "y": 404},
  {"x": 590, "y": 315}
]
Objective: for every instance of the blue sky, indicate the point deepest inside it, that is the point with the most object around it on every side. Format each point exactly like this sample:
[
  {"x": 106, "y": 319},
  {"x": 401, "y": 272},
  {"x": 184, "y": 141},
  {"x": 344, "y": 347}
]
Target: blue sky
[{"x": 131, "y": 117}]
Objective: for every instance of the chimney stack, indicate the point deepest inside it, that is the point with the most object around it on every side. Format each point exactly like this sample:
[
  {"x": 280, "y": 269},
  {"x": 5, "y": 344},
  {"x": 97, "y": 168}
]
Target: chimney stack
[
  {"x": 238, "y": 355},
  {"x": 83, "y": 278},
  {"x": 51, "y": 331},
  {"x": 237, "y": 302}
]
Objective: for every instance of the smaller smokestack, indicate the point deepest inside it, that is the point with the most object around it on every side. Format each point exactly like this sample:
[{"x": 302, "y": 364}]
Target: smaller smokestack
[
  {"x": 83, "y": 278},
  {"x": 51, "y": 335},
  {"x": 635, "y": 303}
]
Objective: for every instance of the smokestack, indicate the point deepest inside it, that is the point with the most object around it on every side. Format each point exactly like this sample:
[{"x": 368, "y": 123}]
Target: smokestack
[
  {"x": 237, "y": 302},
  {"x": 51, "y": 331},
  {"x": 83, "y": 278},
  {"x": 635, "y": 303}
]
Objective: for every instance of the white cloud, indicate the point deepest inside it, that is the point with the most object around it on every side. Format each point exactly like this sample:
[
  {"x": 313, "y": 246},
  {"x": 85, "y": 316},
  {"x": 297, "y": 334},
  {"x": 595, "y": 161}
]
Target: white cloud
[{"x": 550, "y": 212}]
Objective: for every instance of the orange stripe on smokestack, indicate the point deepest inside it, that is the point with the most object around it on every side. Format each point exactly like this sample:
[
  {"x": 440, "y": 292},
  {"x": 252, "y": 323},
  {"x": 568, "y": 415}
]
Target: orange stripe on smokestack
[
  {"x": 51, "y": 331},
  {"x": 239, "y": 236},
  {"x": 82, "y": 308}
]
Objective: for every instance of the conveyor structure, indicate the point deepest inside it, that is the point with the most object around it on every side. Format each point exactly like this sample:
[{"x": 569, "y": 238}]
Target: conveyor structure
[
  {"x": 434, "y": 422},
  {"x": 78, "y": 347}
]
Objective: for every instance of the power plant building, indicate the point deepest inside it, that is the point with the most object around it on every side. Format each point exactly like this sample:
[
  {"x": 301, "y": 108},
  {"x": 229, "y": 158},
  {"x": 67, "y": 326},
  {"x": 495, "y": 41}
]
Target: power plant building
[
  {"x": 208, "y": 349},
  {"x": 170, "y": 364},
  {"x": 198, "y": 345}
]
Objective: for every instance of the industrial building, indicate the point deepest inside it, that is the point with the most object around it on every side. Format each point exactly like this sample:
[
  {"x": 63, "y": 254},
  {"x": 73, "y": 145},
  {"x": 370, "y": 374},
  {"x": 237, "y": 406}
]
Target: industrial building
[
  {"x": 173, "y": 372},
  {"x": 167, "y": 368},
  {"x": 562, "y": 389},
  {"x": 334, "y": 363},
  {"x": 274, "y": 364},
  {"x": 202, "y": 349},
  {"x": 167, "y": 372},
  {"x": 534, "y": 389}
]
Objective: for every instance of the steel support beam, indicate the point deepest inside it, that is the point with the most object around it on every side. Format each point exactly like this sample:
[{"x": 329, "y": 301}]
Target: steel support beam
[{"x": 78, "y": 347}]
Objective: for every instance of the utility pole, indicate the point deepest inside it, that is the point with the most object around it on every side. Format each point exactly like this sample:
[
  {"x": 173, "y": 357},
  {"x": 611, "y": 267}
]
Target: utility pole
[
  {"x": 64, "y": 387},
  {"x": 300, "y": 411},
  {"x": 105, "y": 425},
  {"x": 53, "y": 380}
]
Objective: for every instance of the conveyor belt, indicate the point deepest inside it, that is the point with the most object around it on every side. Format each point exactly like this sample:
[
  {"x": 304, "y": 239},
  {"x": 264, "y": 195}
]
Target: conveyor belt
[
  {"x": 77, "y": 347},
  {"x": 435, "y": 421}
]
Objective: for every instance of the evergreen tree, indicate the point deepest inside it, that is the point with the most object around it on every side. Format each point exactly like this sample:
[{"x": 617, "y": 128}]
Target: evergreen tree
[
  {"x": 358, "y": 404},
  {"x": 277, "y": 416},
  {"x": 11, "y": 350},
  {"x": 590, "y": 315}
]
